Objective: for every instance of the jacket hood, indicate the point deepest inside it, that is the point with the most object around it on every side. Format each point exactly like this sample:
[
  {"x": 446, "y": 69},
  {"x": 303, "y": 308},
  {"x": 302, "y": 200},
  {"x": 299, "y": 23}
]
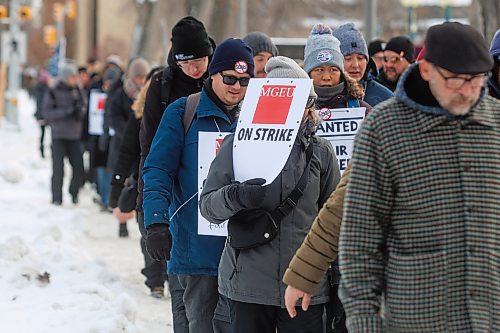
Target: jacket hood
[
  {"x": 411, "y": 83},
  {"x": 493, "y": 87}
]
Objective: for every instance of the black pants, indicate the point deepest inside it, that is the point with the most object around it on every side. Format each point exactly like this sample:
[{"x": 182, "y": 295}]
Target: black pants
[
  {"x": 42, "y": 137},
  {"x": 335, "y": 322},
  {"x": 153, "y": 270},
  {"x": 72, "y": 149},
  {"x": 252, "y": 318}
]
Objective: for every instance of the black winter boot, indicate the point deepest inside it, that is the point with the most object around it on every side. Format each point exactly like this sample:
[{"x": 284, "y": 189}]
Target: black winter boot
[{"x": 123, "y": 231}]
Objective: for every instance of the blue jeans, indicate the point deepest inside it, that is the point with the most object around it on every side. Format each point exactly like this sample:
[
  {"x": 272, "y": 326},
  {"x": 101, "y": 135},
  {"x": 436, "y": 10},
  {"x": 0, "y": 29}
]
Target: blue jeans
[{"x": 103, "y": 184}]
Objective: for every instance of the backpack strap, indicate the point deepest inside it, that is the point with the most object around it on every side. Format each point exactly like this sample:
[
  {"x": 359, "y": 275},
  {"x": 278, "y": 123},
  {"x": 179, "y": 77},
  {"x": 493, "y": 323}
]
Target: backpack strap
[
  {"x": 165, "y": 86},
  {"x": 191, "y": 104},
  {"x": 293, "y": 198}
]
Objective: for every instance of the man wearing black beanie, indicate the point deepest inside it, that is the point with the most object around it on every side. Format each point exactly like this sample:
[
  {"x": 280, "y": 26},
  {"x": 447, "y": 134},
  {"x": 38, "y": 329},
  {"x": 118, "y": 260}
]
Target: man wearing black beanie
[
  {"x": 185, "y": 74},
  {"x": 422, "y": 255},
  {"x": 171, "y": 183},
  {"x": 399, "y": 53}
]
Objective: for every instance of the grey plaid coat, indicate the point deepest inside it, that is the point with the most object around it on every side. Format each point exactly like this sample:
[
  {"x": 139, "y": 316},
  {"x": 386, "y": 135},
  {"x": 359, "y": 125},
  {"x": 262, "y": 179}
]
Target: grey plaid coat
[{"x": 420, "y": 237}]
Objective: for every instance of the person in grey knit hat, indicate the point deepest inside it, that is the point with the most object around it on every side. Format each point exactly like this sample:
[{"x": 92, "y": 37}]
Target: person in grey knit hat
[
  {"x": 263, "y": 49},
  {"x": 254, "y": 299},
  {"x": 279, "y": 67},
  {"x": 67, "y": 72},
  {"x": 322, "y": 49},
  {"x": 357, "y": 63}
]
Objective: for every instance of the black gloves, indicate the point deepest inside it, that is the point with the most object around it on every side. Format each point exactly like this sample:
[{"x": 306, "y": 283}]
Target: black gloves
[
  {"x": 115, "y": 190},
  {"x": 249, "y": 194},
  {"x": 158, "y": 242}
]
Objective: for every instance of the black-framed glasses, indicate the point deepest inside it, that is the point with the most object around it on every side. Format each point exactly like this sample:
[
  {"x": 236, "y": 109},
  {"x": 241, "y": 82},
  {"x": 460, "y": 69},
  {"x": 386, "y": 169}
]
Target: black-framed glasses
[
  {"x": 456, "y": 82},
  {"x": 231, "y": 80},
  {"x": 195, "y": 63}
]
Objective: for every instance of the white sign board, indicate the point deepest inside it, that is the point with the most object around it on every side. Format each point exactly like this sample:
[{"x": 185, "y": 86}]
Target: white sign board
[
  {"x": 208, "y": 147},
  {"x": 13, "y": 47},
  {"x": 267, "y": 127},
  {"x": 97, "y": 100},
  {"x": 339, "y": 126}
]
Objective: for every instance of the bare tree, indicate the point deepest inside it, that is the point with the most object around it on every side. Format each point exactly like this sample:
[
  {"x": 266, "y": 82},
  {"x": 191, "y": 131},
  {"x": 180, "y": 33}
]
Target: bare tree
[{"x": 490, "y": 15}]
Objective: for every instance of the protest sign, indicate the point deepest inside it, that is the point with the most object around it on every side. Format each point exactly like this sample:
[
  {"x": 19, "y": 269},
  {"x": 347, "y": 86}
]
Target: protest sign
[
  {"x": 267, "y": 127},
  {"x": 208, "y": 147},
  {"x": 339, "y": 126}
]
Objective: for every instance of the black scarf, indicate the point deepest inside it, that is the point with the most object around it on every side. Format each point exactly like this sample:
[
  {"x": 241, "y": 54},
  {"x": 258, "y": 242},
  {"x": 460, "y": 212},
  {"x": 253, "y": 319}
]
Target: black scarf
[{"x": 327, "y": 95}]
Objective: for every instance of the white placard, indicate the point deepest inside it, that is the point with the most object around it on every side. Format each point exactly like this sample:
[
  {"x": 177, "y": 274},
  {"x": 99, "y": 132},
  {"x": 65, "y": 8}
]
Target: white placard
[
  {"x": 339, "y": 126},
  {"x": 267, "y": 127},
  {"x": 208, "y": 147},
  {"x": 97, "y": 100}
]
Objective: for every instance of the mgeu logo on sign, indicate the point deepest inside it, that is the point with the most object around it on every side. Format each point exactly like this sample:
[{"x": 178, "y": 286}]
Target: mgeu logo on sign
[{"x": 274, "y": 104}]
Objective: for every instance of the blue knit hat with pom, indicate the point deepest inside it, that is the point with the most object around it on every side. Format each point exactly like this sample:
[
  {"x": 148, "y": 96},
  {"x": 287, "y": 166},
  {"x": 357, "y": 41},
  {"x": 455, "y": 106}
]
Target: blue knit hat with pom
[{"x": 322, "y": 49}]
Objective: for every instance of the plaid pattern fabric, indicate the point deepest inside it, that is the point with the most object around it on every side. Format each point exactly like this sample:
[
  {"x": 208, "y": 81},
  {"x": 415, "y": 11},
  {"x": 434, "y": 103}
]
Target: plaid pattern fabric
[{"x": 420, "y": 237}]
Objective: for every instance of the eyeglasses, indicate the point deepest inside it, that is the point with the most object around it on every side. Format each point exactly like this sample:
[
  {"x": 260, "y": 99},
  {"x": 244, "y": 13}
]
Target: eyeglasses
[
  {"x": 455, "y": 82},
  {"x": 393, "y": 60},
  {"x": 231, "y": 80},
  {"x": 195, "y": 63}
]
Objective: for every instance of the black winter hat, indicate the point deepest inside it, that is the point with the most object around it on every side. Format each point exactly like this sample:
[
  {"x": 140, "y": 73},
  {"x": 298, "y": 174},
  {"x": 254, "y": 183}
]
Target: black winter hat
[
  {"x": 190, "y": 40},
  {"x": 232, "y": 54},
  {"x": 402, "y": 44},
  {"x": 458, "y": 48},
  {"x": 375, "y": 46},
  {"x": 260, "y": 42}
]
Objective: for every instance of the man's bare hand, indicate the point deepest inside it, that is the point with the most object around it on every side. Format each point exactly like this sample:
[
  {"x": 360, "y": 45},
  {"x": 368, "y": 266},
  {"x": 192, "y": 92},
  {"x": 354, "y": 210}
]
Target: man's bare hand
[{"x": 292, "y": 295}]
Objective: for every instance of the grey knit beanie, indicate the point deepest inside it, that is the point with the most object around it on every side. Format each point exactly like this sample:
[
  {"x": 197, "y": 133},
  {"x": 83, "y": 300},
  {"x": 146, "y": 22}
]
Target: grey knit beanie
[
  {"x": 260, "y": 42},
  {"x": 284, "y": 67},
  {"x": 351, "y": 40},
  {"x": 138, "y": 67},
  {"x": 67, "y": 70},
  {"x": 322, "y": 49}
]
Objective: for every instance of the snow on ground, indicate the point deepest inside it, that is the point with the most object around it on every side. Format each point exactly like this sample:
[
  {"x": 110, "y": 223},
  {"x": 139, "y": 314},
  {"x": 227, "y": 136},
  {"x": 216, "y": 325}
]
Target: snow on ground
[{"x": 64, "y": 269}]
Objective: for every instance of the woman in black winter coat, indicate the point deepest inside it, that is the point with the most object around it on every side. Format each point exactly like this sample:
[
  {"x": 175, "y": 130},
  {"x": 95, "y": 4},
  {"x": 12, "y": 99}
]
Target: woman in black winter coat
[
  {"x": 126, "y": 172},
  {"x": 119, "y": 109}
]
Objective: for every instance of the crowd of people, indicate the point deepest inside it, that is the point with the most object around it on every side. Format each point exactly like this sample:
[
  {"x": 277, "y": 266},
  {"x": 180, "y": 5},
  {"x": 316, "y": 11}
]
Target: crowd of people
[{"x": 405, "y": 239}]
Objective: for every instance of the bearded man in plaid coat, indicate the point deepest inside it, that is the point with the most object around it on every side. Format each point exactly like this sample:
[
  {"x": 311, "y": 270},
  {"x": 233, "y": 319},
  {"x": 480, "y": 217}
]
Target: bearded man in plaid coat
[{"x": 420, "y": 237}]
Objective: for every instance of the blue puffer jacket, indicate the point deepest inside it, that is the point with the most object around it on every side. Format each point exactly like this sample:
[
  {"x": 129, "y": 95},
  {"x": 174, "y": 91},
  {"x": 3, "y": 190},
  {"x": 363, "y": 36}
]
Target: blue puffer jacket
[
  {"x": 374, "y": 91},
  {"x": 170, "y": 186}
]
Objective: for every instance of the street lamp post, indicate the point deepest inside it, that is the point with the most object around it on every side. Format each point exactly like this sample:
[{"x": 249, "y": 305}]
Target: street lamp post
[
  {"x": 411, "y": 6},
  {"x": 447, "y": 4}
]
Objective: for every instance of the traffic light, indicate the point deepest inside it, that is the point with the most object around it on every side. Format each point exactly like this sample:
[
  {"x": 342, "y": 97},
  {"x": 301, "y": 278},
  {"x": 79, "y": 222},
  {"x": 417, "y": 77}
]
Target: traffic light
[
  {"x": 50, "y": 35},
  {"x": 25, "y": 13},
  {"x": 4, "y": 11}
]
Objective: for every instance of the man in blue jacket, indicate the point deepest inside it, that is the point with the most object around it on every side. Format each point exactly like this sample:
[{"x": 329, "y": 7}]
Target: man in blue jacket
[{"x": 170, "y": 182}]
